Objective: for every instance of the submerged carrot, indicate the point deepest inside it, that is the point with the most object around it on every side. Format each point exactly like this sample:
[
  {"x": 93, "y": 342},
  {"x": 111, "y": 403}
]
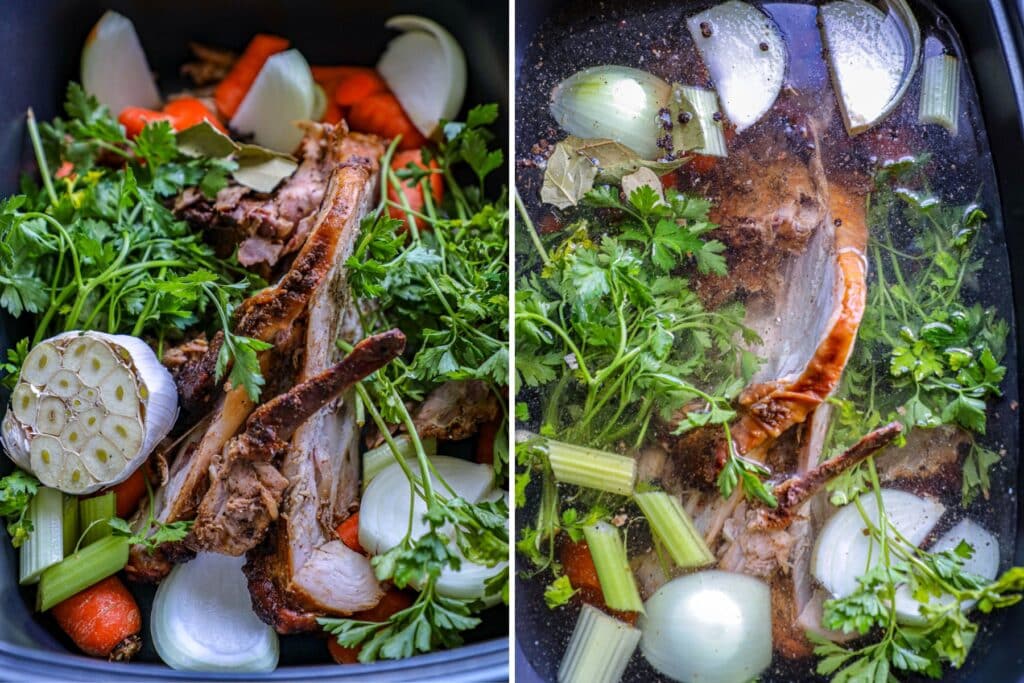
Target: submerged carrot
[
  {"x": 579, "y": 565},
  {"x": 103, "y": 620},
  {"x": 413, "y": 194},
  {"x": 357, "y": 86},
  {"x": 393, "y": 601},
  {"x": 348, "y": 532},
  {"x": 232, "y": 90},
  {"x": 383, "y": 115}
]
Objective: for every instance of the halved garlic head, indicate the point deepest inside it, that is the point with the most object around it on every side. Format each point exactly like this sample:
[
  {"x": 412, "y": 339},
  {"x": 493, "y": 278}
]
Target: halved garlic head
[{"x": 87, "y": 410}]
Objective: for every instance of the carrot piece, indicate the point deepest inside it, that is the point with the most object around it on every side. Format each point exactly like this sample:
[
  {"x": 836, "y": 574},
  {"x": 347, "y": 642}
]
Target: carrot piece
[
  {"x": 188, "y": 111},
  {"x": 103, "y": 620},
  {"x": 128, "y": 493},
  {"x": 357, "y": 86},
  {"x": 411, "y": 189},
  {"x": 485, "y": 441},
  {"x": 393, "y": 601},
  {"x": 341, "y": 654},
  {"x": 348, "y": 532},
  {"x": 579, "y": 565},
  {"x": 332, "y": 114},
  {"x": 333, "y": 74},
  {"x": 702, "y": 163},
  {"x": 383, "y": 115},
  {"x": 134, "y": 119},
  {"x": 232, "y": 90}
]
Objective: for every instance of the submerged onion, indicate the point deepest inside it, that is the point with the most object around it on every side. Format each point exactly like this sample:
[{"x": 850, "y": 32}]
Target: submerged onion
[
  {"x": 709, "y": 627},
  {"x": 872, "y": 56},
  {"x": 614, "y": 102},
  {"x": 745, "y": 55},
  {"x": 983, "y": 562},
  {"x": 843, "y": 550},
  {"x": 87, "y": 410}
]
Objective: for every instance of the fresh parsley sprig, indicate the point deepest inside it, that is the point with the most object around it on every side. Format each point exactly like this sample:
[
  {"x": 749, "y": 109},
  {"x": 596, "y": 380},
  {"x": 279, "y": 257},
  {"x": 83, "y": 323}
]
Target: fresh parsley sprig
[
  {"x": 923, "y": 356},
  {"x": 97, "y": 248},
  {"x": 16, "y": 492}
]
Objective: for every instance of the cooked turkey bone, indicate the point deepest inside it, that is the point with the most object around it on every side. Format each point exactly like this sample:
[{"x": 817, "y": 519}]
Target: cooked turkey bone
[{"x": 245, "y": 487}]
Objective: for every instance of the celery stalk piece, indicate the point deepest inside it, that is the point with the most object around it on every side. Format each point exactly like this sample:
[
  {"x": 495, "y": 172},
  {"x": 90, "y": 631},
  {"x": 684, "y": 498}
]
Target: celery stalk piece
[
  {"x": 703, "y": 107},
  {"x": 618, "y": 585},
  {"x": 94, "y": 513},
  {"x": 591, "y": 468},
  {"x": 376, "y": 459},
  {"x": 44, "y": 546},
  {"x": 70, "y": 524},
  {"x": 599, "y": 650},
  {"x": 674, "y": 528},
  {"x": 87, "y": 567},
  {"x": 940, "y": 92}
]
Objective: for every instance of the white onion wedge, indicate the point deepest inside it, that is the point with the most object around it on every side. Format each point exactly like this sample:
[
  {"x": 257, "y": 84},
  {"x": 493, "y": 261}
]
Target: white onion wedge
[
  {"x": 91, "y": 423},
  {"x": 872, "y": 56},
  {"x": 282, "y": 94},
  {"x": 983, "y": 562},
  {"x": 114, "y": 67},
  {"x": 708, "y": 627},
  {"x": 745, "y": 56},
  {"x": 384, "y": 517},
  {"x": 619, "y": 103},
  {"x": 844, "y": 550},
  {"x": 203, "y": 620},
  {"x": 426, "y": 70}
]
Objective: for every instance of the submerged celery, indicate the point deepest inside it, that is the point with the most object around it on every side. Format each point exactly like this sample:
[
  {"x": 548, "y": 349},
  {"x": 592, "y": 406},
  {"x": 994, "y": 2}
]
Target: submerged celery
[
  {"x": 940, "y": 92},
  {"x": 599, "y": 650},
  {"x": 674, "y": 528},
  {"x": 704, "y": 108},
  {"x": 44, "y": 547},
  {"x": 608, "y": 551},
  {"x": 75, "y": 573},
  {"x": 591, "y": 468}
]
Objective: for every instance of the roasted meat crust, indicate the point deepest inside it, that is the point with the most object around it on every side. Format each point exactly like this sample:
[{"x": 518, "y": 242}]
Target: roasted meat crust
[
  {"x": 273, "y": 311},
  {"x": 245, "y": 485}
]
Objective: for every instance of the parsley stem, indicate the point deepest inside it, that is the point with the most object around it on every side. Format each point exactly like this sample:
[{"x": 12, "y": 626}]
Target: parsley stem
[
  {"x": 565, "y": 338},
  {"x": 385, "y": 432},
  {"x": 37, "y": 148},
  {"x": 531, "y": 230}
]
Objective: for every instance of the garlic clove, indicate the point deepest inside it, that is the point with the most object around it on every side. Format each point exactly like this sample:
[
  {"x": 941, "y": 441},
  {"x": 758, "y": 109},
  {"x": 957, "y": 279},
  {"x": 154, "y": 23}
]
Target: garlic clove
[
  {"x": 40, "y": 365},
  {"x": 51, "y": 416},
  {"x": 124, "y": 431},
  {"x": 102, "y": 458},
  {"x": 119, "y": 392},
  {"x": 25, "y": 402},
  {"x": 64, "y": 384}
]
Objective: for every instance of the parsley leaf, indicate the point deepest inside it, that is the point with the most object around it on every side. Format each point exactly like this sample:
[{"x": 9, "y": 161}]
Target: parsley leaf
[{"x": 16, "y": 492}]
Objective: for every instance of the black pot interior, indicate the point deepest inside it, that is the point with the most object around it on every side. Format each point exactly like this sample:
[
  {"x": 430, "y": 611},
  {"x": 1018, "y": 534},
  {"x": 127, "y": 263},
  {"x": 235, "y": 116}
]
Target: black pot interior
[
  {"x": 991, "y": 34},
  {"x": 43, "y": 40}
]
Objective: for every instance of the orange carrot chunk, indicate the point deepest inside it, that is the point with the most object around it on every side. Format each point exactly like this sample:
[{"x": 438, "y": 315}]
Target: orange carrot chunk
[
  {"x": 188, "y": 111},
  {"x": 129, "y": 492},
  {"x": 348, "y": 532},
  {"x": 358, "y": 85},
  {"x": 232, "y": 90},
  {"x": 382, "y": 115},
  {"x": 134, "y": 119},
  {"x": 103, "y": 620},
  {"x": 579, "y": 565},
  {"x": 411, "y": 189},
  {"x": 393, "y": 601}
]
